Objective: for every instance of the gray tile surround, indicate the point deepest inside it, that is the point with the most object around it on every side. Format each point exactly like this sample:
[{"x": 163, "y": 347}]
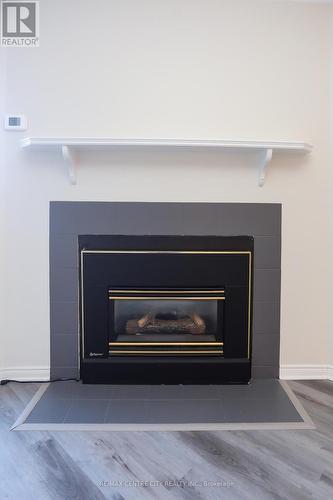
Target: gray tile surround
[{"x": 69, "y": 219}]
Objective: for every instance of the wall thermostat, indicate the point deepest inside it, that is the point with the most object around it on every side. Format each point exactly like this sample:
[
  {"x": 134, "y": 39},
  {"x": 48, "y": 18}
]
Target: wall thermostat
[{"x": 15, "y": 122}]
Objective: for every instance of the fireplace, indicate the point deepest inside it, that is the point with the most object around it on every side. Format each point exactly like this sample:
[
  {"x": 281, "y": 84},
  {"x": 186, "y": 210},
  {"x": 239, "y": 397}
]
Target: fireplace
[
  {"x": 166, "y": 322},
  {"x": 164, "y": 309}
]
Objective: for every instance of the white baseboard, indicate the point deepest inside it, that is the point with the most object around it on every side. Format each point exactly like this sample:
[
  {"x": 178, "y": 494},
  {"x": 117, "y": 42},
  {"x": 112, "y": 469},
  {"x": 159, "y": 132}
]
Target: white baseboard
[
  {"x": 306, "y": 372},
  {"x": 26, "y": 373},
  {"x": 287, "y": 372}
]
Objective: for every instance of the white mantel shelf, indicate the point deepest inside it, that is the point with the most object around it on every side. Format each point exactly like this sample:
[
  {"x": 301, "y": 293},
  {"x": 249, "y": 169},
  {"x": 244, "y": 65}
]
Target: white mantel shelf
[{"x": 70, "y": 146}]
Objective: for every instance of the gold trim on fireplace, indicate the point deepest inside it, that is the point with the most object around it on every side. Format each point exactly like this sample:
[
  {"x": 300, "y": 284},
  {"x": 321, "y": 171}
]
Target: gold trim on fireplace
[
  {"x": 212, "y": 252},
  {"x": 167, "y": 353},
  {"x": 123, "y": 297},
  {"x": 167, "y": 291},
  {"x": 166, "y": 344},
  {"x": 185, "y": 252},
  {"x": 138, "y": 344}
]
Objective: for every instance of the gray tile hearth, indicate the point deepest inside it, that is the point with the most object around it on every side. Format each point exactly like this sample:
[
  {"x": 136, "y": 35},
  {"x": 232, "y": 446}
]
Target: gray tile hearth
[{"x": 264, "y": 402}]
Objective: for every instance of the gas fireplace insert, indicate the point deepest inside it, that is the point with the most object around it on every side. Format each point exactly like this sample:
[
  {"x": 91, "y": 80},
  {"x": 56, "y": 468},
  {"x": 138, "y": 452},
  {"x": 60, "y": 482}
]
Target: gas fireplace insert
[{"x": 162, "y": 309}]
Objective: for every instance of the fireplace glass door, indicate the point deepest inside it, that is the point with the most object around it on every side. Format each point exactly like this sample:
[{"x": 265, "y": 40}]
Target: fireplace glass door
[{"x": 166, "y": 322}]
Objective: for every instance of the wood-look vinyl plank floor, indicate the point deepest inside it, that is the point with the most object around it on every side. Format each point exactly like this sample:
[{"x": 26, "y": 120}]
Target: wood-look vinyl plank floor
[{"x": 293, "y": 464}]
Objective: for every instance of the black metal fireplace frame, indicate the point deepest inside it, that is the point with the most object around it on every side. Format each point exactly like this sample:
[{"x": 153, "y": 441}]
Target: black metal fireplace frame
[{"x": 96, "y": 366}]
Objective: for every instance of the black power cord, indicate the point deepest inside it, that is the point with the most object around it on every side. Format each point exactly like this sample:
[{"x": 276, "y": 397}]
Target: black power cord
[{"x": 7, "y": 380}]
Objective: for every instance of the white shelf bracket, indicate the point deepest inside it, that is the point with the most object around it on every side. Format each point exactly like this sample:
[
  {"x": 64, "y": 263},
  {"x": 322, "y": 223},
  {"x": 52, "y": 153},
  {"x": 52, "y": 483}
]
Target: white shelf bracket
[
  {"x": 264, "y": 160},
  {"x": 70, "y": 159}
]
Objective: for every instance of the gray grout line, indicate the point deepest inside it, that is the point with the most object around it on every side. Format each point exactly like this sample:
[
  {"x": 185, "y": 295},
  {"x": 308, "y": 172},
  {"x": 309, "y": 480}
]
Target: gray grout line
[
  {"x": 106, "y": 411},
  {"x": 67, "y": 411},
  {"x": 76, "y": 233},
  {"x": 266, "y": 269}
]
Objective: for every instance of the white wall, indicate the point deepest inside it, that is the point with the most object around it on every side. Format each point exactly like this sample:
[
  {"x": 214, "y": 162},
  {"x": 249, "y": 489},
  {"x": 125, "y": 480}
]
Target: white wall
[
  {"x": 196, "y": 68},
  {"x": 331, "y": 140},
  {"x": 2, "y": 209}
]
